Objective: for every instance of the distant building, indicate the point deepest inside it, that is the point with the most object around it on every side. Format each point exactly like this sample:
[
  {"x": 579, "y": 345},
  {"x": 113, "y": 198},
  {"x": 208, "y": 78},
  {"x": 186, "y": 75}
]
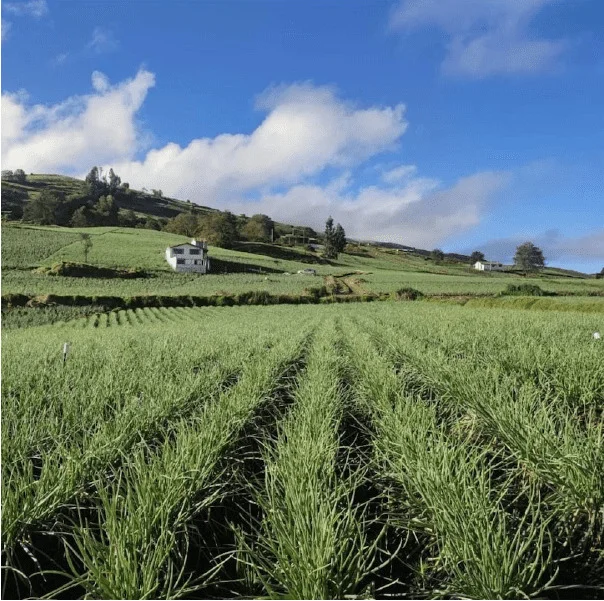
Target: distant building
[
  {"x": 308, "y": 271},
  {"x": 489, "y": 266},
  {"x": 189, "y": 257}
]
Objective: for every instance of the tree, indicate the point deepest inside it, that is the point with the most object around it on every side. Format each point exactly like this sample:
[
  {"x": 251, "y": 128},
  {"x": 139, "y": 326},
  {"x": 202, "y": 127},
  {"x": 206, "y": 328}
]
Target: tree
[
  {"x": 476, "y": 256},
  {"x": 94, "y": 184},
  {"x": 114, "y": 182},
  {"x": 107, "y": 209},
  {"x": 339, "y": 238},
  {"x": 81, "y": 217},
  {"x": 152, "y": 224},
  {"x": 19, "y": 176},
  {"x": 7, "y": 174},
  {"x": 258, "y": 228},
  {"x": 219, "y": 229},
  {"x": 600, "y": 275},
  {"x": 437, "y": 255},
  {"x": 528, "y": 257},
  {"x": 330, "y": 252},
  {"x": 86, "y": 245},
  {"x": 185, "y": 224},
  {"x": 127, "y": 219},
  {"x": 43, "y": 208}
]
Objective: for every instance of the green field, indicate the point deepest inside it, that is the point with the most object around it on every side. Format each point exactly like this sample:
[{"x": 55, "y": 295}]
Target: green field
[
  {"x": 235, "y": 271},
  {"x": 415, "y": 449}
]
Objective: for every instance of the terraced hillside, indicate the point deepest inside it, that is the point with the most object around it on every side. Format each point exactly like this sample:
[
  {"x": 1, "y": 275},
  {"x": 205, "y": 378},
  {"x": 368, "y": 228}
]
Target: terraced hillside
[
  {"x": 252, "y": 267},
  {"x": 304, "y": 452}
]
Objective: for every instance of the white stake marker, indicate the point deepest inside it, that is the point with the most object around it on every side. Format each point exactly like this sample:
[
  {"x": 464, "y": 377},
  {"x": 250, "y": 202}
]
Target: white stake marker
[{"x": 66, "y": 347}]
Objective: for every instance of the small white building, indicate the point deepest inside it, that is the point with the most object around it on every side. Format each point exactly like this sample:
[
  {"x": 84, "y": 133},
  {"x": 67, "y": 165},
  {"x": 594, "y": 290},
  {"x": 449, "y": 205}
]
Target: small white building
[
  {"x": 489, "y": 266},
  {"x": 189, "y": 257}
]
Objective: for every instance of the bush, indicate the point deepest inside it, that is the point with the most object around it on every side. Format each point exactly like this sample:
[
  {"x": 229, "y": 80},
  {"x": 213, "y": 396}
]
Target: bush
[
  {"x": 317, "y": 292},
  {"x": 523, "y": 290},
  {"x": 83, "y": 270},
  {"x": 408, "y": 294}
]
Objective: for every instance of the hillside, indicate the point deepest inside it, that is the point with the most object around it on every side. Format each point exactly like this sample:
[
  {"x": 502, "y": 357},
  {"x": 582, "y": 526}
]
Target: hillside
[{"x": 145, "y": 204}]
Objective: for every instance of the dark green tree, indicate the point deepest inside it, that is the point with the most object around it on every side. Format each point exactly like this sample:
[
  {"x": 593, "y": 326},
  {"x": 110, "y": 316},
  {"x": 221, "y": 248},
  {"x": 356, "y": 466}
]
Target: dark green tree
[
  {"x": 43, "y": 208},
  {"x": 114, "y": 182},
  {"x": 219, "y": 229},
  {"x": 339, "y": 239},
  {"x": 185, "y": 224},
  {"x": 476, "y": 256},
  {"x": 437, "y": 255},
  {"x": 529, "y": 257},
  {"x": 330, "y": 251},
  {"x": 258, "y": 228},
  {"x": 107, "y": 210},
  {"x": 94, "y": 184},
  {"x": 81, "y": 217},
  {"x": 152, "y": 224},
  {"x": 128, "y": 219},
  {"x": 7, "y": 174}
]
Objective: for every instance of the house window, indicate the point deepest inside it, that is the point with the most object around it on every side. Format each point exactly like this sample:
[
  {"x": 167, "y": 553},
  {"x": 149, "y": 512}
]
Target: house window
[
  {"x": 194, "y": 251},
  {"x": 180, "y": 261},
  {"x": 179, "y": 251}
]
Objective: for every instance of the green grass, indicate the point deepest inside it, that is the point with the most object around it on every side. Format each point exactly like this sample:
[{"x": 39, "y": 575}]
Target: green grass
[
  {"x": 420, "y": 449},
  {"x": 24, "y": 247}
]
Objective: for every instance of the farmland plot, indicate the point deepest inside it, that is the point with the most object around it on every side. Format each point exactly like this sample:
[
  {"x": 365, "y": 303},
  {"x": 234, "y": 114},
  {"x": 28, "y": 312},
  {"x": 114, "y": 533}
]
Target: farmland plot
[{"x": 390, "y": 450}]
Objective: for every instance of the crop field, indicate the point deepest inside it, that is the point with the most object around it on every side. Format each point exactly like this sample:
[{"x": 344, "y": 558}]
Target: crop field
[
  {"x": 382, "y": 450},
  {"x": 473, "y": 283},
  {"x": 164, "y": 283}
]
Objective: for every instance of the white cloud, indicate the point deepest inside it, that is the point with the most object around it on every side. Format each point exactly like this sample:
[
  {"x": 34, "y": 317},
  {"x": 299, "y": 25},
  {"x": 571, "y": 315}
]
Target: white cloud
[
  {"x": 100, "y": 82},
  {"x": 77, "y": 133},
  {"x": 307, "y": 131},
  {"x": 59, "y": 59},
  {"x": 485, "y": 37},
  {"x": 399, "y": 174},
  {"x": 419, "y": 213},
  {"x": 556, "y": 247},
  {"x": 6, "y": 27},
  {"x": 32, "y": 8},
  {"x": 102, "y": 41}
]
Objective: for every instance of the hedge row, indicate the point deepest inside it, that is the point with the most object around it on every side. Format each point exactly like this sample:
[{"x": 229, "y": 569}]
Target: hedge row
[{"x": 261, "y": 297}]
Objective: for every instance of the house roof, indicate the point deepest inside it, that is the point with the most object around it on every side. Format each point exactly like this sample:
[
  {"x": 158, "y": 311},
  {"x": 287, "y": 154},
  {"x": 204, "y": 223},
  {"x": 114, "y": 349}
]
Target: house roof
[
  {"x": 489, "y": 262},
  {"x": 183, "y": 244}
]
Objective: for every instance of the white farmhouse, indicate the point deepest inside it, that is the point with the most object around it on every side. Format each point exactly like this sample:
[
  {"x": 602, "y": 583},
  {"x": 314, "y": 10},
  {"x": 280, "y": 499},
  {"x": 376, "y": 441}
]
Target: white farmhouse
[
  {"x": 489, "y": 266},
  {"x": 189, "y": 257}
]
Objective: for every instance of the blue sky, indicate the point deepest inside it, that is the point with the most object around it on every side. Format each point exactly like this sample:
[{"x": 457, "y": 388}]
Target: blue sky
[{"x": 460, "y": 124}]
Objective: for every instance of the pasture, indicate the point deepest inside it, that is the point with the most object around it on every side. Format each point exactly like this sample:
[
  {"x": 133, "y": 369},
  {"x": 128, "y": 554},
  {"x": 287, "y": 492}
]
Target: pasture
[{"x": 368, "y": 450}]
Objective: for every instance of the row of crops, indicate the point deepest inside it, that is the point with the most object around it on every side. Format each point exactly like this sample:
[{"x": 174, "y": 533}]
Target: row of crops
[{"x": 385, "y": 450}]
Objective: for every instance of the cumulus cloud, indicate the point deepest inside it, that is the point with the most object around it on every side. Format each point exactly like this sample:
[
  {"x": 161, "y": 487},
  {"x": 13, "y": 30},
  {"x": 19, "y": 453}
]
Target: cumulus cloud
[
  {"x": 420, "y": 212},
  {"x": 306, "y": 130},
  {"x": 485, "y": 37},
  {"x": 77, "y": 133},
  {"x": 31, "y": 8},
  {"x": 306, "y": 133}
]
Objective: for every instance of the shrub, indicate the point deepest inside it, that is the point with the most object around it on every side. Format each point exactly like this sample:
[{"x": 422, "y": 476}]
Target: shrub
[
  {"x": 317, "y": 292},
  {"x": 523, "y": 290},
  {"x": 84, "y": 270},
  {"x": 408, "y": 294}
]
